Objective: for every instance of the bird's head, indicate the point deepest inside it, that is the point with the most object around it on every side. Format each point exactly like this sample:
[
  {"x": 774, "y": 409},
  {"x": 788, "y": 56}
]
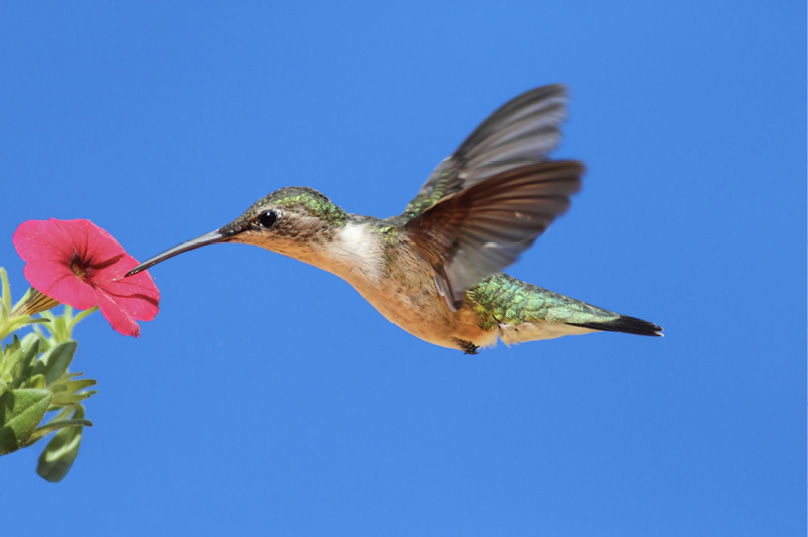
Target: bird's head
[{"x": 293, "y": 221}]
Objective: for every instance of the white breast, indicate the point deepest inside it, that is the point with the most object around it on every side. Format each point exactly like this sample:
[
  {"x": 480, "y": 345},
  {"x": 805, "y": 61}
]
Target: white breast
[{"x": 356, "y": 251}]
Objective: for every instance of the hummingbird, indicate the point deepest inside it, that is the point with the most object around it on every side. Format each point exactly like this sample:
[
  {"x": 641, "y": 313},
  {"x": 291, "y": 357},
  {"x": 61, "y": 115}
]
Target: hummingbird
[{"x": 435, "y": 269}]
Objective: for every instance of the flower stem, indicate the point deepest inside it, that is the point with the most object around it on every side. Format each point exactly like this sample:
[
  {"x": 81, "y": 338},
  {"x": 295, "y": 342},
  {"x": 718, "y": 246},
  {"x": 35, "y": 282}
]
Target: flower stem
[{"x": 81, "y": 315}]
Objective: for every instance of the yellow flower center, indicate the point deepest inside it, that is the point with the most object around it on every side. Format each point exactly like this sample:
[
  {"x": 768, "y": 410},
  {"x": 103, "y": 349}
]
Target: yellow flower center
[{"x": 78, "y": 270}]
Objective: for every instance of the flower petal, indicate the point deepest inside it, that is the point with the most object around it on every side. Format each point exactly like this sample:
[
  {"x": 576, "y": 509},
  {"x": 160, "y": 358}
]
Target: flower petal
[
  {"x": 138, "y": 299},
  {"x": 94, "y": 246},
  {"x": 116, "y": 268},
  {"x": 42, "y": 240},
  {"x": 137, "y": 294},
  {"x": 117, "y": 316},
  {"x": 57, "y": 281}
]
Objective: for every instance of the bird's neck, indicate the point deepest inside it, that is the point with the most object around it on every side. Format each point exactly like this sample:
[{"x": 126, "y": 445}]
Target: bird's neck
[{"x": 353, "y": 251}]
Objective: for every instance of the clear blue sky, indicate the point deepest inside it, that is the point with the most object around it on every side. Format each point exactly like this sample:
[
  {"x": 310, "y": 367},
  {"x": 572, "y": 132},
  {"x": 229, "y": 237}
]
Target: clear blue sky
[{"x": 268, "y": 398}]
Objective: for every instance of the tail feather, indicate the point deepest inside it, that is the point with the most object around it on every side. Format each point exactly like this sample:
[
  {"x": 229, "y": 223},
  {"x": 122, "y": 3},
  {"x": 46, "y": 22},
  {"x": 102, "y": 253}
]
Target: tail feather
[
  {"x": 624, "y": 323},
  {"x": 525, "y": 312}
]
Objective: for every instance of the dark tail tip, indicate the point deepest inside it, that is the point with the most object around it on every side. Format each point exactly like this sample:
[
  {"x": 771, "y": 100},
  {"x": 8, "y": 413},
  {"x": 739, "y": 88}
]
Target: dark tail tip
[{"x": 629, "y": 325}]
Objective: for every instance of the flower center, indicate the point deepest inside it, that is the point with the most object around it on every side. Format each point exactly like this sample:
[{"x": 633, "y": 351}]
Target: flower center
[{"x": 78, "y": 270}]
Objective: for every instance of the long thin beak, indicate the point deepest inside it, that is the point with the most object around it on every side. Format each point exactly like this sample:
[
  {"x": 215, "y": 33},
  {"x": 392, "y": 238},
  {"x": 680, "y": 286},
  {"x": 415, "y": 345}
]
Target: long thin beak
[{"x": 193, "y": 244}]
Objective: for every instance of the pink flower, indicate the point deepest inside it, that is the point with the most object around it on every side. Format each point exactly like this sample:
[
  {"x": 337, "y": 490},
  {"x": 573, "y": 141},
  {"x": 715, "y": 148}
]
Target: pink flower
[{"x": 80, "y": 264}]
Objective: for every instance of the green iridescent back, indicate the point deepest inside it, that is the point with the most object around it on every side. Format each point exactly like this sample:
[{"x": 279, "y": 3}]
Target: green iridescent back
[{"x": 507, "y": 300}]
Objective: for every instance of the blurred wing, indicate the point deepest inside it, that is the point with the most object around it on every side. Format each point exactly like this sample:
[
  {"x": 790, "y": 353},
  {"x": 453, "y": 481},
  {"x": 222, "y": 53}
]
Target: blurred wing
[
  {"x": 522, "y": 131},
  {"x": 477, "y": 232}
]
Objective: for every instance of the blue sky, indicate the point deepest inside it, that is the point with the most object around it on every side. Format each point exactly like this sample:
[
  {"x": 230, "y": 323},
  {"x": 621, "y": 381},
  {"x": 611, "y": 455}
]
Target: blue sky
[{"x": 268, "y": 398}]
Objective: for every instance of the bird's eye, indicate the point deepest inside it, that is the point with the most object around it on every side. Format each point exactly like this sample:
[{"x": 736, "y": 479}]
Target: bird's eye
[{"x": 267, "y": 219}]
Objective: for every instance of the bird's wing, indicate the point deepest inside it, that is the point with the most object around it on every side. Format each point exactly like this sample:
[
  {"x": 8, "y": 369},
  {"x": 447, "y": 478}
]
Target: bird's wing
[
  {"x": 479, "y": 231},
  {"x": 522, "y": 131}
]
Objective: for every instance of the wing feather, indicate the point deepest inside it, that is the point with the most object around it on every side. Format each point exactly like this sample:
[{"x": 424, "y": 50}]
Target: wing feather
[
  {"x": 522, "y": 131},
  {"x": 477, "y": 232}
]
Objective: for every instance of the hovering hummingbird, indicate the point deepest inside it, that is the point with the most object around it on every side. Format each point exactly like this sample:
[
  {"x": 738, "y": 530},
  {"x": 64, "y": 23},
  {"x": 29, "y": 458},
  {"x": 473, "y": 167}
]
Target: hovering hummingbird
[{"x": 434, "y": 270}]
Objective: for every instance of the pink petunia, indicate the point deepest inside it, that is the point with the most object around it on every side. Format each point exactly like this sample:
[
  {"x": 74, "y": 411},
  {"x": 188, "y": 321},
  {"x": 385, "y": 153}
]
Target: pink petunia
[{"x": 80, "y": 264}]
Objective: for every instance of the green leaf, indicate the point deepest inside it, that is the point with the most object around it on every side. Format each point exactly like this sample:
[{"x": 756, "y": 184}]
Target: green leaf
[
  {"x": 73, "y": 386},
  {"x": 11, "y": 355},
  {"x": 20, "y": 414},
  {"x": 28, "y": 360},
  {"x": 59, "y": 330},
  {"x": 29, "y": 340},
  {"x": 61, "y": 451},
  {"x": 60, "y": 416},
  {"x": 36, "y": 382},
  {"x": 45, "y": 344},
  {"x": 66, "y": 378},
  {"x": 54, "y": 425},
  {"x": 3, "y": 387},
  {"x": 10, "y": 324},
  {"x": 5, "y": 290},
  {"x": 11, "y": 347},
  {"x": 65, "y": 399},
  {"x": 53, "y": 363},
  {"x": 34, "y": 320},
  {"x": 65, "y": 392}
]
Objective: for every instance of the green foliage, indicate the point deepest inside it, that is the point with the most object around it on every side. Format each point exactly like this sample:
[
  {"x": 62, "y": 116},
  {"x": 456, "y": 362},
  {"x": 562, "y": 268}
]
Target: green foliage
[
  {"x": 20, "y": 412},
  {"x": 38, "y": 393},
  {"x": 58, "y": 456}
]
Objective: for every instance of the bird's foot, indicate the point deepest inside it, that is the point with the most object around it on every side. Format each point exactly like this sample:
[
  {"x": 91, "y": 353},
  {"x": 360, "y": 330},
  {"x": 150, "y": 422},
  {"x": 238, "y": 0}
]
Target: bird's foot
[{"x": 466, "y": 346}]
